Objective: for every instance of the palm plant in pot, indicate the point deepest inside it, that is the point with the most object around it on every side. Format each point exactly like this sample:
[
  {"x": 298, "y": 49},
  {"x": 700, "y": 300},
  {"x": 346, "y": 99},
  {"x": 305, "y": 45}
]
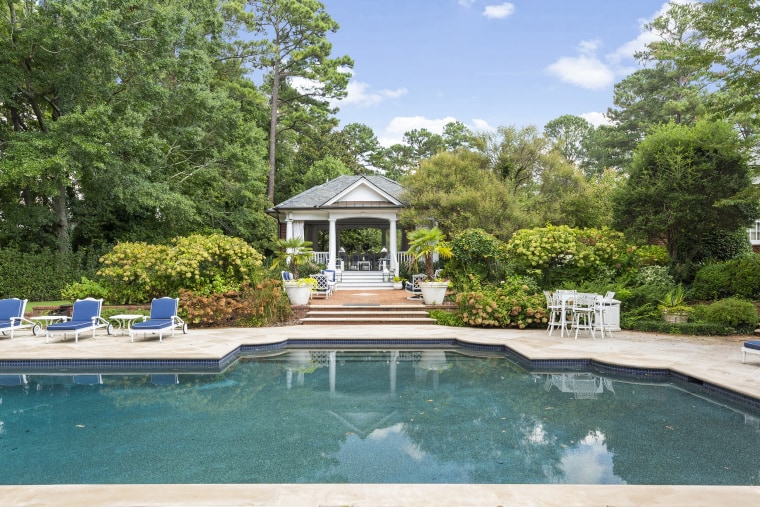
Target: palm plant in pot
[
  {"x": 424, "y": 244},
  {"x": 673, "y": 306},
  {"x": 294, "y": 252}
]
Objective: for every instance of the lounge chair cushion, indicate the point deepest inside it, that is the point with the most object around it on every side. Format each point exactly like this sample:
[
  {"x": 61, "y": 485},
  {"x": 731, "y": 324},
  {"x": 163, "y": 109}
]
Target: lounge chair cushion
[
  {"x": 70, "y": 325},
  {"x": 153, "y": 324},
  {"x": 11, "y": 308},
  {"x": 752, "y": 344}
]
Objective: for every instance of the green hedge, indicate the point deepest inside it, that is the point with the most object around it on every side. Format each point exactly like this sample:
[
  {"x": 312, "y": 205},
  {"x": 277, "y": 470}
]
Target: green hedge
[
  {"x": 42, "y": 276},
  {"x": 687, "y": 328},
  {"x": 737, "y": 277}
]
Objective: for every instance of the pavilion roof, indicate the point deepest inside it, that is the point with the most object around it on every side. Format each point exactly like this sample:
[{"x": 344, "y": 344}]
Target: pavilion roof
[{"x": 322, "y": 195}]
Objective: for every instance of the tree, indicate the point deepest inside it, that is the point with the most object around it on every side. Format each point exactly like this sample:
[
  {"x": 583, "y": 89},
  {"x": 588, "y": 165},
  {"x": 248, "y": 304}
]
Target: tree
[
  {"x": 685, "y": 183},
  {"x": 458, "y": 191},
  {"x": 424, "y": 144},
  {"x": 456, "y": 135},
  {"x": 566, "y": 197},
  {"x": 514, "y": 155},
  {"x": 296, "y": 56},
  {"x": 724, "y": 42},
  {"x": 128, "y": 124},
  {"x": 567, "y": 134},
  {"x": 323, "y": 170}
]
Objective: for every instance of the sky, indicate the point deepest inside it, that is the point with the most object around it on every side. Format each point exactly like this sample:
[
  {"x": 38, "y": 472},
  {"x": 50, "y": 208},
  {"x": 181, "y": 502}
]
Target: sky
[{"x": 485, "y": 63}]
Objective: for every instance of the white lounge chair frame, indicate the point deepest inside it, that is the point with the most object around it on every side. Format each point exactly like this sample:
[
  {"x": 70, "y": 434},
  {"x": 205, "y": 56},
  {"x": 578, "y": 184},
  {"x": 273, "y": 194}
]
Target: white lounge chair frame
[
  {"x": 159, "y": 320},
  {"x": 15, "y": 321},
  {"x": 79, "y": 325}
]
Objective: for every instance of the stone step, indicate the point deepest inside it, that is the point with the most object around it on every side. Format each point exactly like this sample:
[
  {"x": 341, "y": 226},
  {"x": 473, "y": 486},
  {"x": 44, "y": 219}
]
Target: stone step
[
  {"x": 369, "y": 313},
  {"x": 381, "y": 320},
  {"x": 356, "y": 314},
  {"x": 366, "y": 307},
  {"x": 363, "y": 280}
]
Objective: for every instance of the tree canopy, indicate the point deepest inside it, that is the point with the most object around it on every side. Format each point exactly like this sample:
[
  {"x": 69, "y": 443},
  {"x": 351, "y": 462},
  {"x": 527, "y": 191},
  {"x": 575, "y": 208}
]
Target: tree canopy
[{"x": 686, "y": 182}]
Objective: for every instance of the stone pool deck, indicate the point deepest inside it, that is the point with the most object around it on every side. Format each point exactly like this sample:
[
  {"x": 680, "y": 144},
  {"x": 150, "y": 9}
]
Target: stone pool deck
[{"x": 713, "y": 360}]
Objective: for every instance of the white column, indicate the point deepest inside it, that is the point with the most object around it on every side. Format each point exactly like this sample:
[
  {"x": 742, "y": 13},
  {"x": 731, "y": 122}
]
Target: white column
[
  {"x": 333, "y": 250},
  {"x": 394, "y": 367},
  {"x": 393, "y": 253},
  {"x": 332, "y": 355},
  {"x": 288, "y": 228}
]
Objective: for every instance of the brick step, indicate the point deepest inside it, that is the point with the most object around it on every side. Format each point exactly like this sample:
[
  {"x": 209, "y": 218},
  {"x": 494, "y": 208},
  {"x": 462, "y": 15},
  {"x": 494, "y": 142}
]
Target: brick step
[
  {"x": 369, "y": 313},
  {"x": 367, "y": 308},
  {"x": 384, "y": 320}
]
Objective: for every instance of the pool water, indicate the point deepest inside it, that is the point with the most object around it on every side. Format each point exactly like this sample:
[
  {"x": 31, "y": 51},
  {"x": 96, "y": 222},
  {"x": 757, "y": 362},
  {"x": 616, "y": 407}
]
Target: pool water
[{"x": 428, "y": 416}]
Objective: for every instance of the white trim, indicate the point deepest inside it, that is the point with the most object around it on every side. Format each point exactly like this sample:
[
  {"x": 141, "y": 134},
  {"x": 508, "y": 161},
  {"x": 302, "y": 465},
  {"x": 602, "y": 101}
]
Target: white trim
[{"x": 359, "y": 183}]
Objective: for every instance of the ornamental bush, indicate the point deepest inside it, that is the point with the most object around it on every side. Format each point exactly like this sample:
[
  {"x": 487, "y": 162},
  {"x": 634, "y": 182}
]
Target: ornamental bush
[
  {"x": 512, "y": 304},
  {"x": 136, "y": 272},
  {"x": 564, "y": 255},
  {"x": 737, "y": 277},
  {"x": 262, "y": 304},
  {"x": 732, "y": 312},
  {"x": 478, "y": 253}
]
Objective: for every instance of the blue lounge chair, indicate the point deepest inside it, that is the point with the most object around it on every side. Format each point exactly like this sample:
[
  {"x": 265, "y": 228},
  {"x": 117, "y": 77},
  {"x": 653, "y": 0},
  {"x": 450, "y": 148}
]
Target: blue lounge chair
[
  {"x": 163, "y": 317},
  {"x": 752, "y": 346},
  {"x": 12, "y": 317},
  {"x": 84, "y": 317}
]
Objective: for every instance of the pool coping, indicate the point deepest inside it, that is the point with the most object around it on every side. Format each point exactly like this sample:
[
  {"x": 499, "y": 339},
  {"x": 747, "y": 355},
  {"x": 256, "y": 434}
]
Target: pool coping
[
  {"x": 713, "y": 361},
  {"x": 210, "y": 365}
]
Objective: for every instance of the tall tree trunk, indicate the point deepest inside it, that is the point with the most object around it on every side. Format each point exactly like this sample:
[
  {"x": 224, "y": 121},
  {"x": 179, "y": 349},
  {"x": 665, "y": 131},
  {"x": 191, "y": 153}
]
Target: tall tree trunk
[
  {"x": 273, "y": 106},
  {"x": 61, "y": 225}
]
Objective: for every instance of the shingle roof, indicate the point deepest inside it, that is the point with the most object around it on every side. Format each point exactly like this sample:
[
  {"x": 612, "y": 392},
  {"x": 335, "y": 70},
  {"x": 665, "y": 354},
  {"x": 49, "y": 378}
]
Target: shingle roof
[{"x": 317, "y": 196}]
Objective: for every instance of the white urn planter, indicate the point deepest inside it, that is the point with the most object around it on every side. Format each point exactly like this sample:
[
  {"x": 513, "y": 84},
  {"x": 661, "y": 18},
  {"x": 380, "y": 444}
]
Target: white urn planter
[
  {"x": 433, "y": 293},
  {"x": 398, "y": 285},
  {"x": 298, "y": 294}
]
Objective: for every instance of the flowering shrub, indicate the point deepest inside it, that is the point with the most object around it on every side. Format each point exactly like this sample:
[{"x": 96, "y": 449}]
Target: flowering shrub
[
  {"x": 135, "y": 272},
  {"x": 262, "y": 304},
  {"x": 561, "y": 253},
  {"x": 508, "y": 305}
]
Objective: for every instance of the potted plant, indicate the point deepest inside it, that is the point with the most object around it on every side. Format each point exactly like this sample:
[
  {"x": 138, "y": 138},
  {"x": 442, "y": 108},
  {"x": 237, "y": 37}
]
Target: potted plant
[
  {"x": 425, "y": 244},
  {"x": 673, "y": 307},
  {"x": 398, "y": 282},
  {"x": 292, "y": 253}
]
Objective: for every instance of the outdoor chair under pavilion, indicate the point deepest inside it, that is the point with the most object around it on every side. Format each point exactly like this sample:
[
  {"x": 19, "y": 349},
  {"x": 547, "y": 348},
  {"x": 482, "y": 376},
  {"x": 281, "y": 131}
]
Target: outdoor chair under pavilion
[
  {"x": 163, "y": 319},
  {"x": 414, "y": 285},
  {"x": 84, "y": 317},
  {"x": 12, "y": 317},
  {"x": 322, "y": 287}
]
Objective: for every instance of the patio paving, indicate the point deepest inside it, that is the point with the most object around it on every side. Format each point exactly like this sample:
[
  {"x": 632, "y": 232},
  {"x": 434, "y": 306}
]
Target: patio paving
[{"x": 716, "y": 360}]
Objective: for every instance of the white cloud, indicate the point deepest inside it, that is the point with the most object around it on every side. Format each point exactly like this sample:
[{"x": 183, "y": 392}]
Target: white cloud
[
  {"x": 361, "y": 95},
  {"x": 466, "y": 3},
  {"x": 499, "y": 11},
  {"x": 588, "y": 70},
  {"x": 596, "y": 118},
  {"x": 398, "y": 126},
  {"x": 304, "y": 85},
  {"x": 584, "y": 70},
  {"x": 479, "y": 125}
]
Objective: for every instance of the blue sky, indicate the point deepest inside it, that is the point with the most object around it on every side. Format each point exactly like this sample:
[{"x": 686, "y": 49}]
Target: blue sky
[{"x": 486, "y": 63}]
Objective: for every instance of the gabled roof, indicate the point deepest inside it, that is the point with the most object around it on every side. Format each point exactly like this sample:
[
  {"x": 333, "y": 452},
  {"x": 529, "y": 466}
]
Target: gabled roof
[{"x": 348, "y": 191}]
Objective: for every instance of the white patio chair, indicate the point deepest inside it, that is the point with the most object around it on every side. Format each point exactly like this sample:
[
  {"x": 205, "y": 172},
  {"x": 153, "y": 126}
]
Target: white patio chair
[{"x": 584, "y": 305}]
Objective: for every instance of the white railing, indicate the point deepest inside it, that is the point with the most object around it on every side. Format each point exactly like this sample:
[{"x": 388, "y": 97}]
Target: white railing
[{"x": 320, "y": 257}]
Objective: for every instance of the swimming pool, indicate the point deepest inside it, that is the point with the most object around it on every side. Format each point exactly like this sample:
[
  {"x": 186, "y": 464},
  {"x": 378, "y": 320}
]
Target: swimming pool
[{"x": 361, "y": 416}]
